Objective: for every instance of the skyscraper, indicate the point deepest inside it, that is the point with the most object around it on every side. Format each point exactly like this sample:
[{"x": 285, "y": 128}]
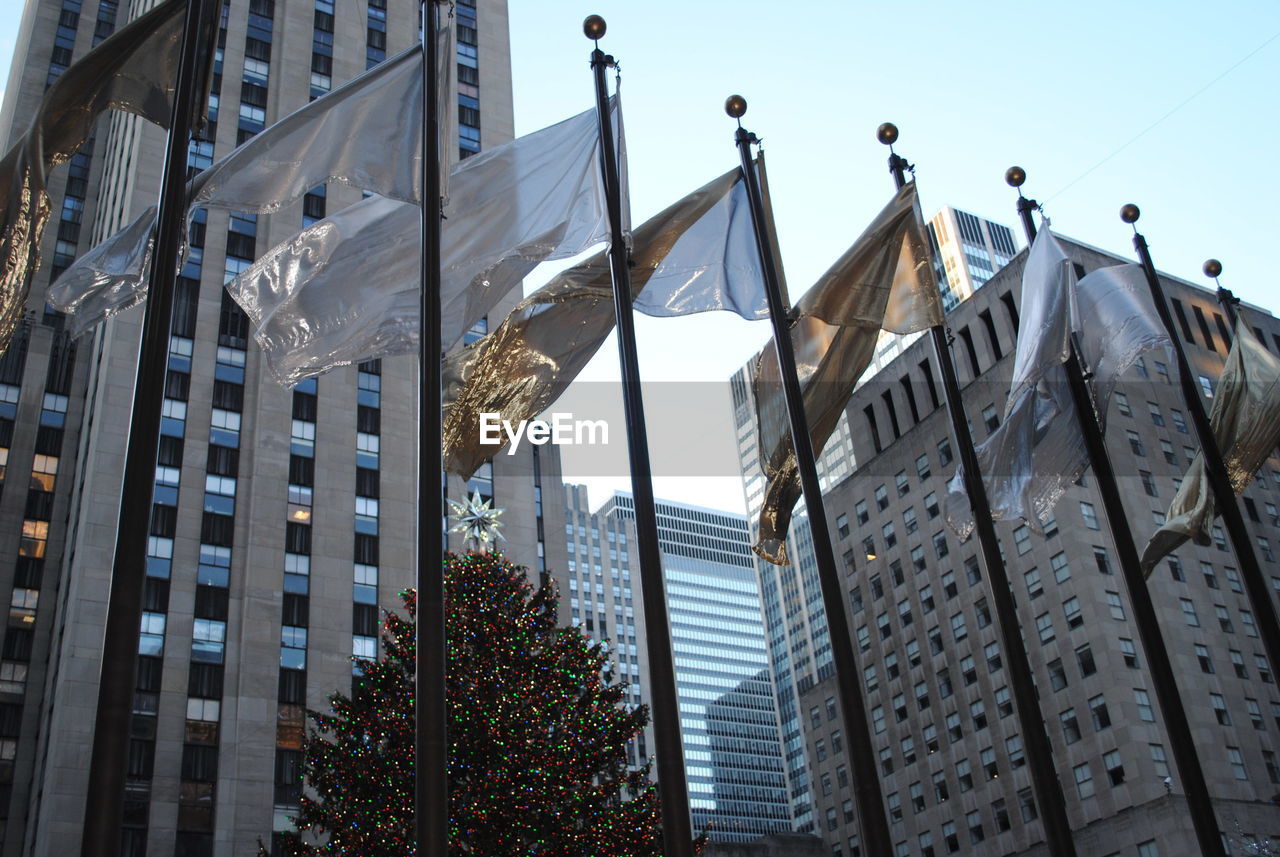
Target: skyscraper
[
  {"x": 970, "y": 250},
  {"x": 283, "y": 520},
  {"x": 950, "y": 756},
  {"x": 728, "y": 715},
  {"x": 800, "y": 651}
]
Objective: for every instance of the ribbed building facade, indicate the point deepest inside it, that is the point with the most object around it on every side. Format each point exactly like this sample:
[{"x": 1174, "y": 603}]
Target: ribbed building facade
[
  {"x": 950, "y": 756},
  {"x": 283, "y": 520}
]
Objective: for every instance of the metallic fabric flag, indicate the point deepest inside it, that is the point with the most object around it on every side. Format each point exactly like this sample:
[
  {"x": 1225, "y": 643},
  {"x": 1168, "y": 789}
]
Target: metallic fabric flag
[
  {"x": 1246, "y": 424},
  {"x": 312, "y": 145},
  {"x": 696, "y": 255},
  {"x": 345, "y": 288},
  {"x": 1038, "y": 450},
  {"x": 885, "y": 281},
  {"x": 367, "y": 133},
  {"x": 134, "y": 70},
  {"x": 109, "y": 279}
]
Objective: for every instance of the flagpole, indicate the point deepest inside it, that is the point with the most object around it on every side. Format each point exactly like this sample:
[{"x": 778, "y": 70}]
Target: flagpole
[
  {"x": 431, "y": 756},
  {"x": 873, "y": 825},
  {"x": 1045, "y": 783},
  {"x": 104, "y": 801},
  {"x": 673, "y": 790},
  {"x": 1255, "y": 582},
  {"x": 1226, "y": 299},
  {"x": 1160, "y": 667}
]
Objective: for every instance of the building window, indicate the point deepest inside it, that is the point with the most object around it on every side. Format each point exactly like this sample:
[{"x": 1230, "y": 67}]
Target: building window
[
  {"x": 1022, "y": 539},
  {"x": 1061, "y": 571},
  {"x": 1044, "y": 626},
  {"x": 1129, "y": 652},
  {"x": 1084, "y": 780},
  {"x": 1148, "y": 483},
  {"x": 1206, "y": 662},
  {"x": 1071, "y": 611},
  {"x": 1098, "y": 711},
  {"x": 1057, "y": 675},
  {"x": 1034, "y": 587},
  {"x": 974, "y": 822},
  {"x": 1089, "y": 515},
  {"x": 1143, "y": 701},
  {"x": 1159, "y": 759},
  {"x": 1135, "y": 443},
  {"x": 1220, "y": 709},
  {"x": 1236, "y": 758},
  {"x": 1115, "y": 605},
  {"x": 1070, "y": 726}
]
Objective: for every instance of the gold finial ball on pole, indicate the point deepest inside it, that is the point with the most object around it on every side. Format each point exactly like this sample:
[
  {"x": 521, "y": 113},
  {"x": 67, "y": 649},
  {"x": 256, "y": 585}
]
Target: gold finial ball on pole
[
  {"x": 594, "y": 27},
  {"x": 1015, "y": 176},
  {"x": 1212, "y": 268},
  {"x": 1130, "y": 213},
  {"x": 735, "y": 106},
  {"x": 887, "y": 133}
]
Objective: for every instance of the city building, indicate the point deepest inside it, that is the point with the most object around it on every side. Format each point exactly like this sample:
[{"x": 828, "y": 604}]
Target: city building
[
  {"x": 951, "y": 760},
  {"x": 969, "y": 251},
  {"x": 728, "y": 716},
  {"x": 283, "y": 519},
  {"x": 799, "y": 651}
]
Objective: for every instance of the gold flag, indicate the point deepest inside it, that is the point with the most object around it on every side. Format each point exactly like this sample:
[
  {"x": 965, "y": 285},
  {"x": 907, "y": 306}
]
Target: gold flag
[
  {"x": 885, "y": 281},
  {"x": 135, "y": 71},
  {"x": 1246, "y": 424}
]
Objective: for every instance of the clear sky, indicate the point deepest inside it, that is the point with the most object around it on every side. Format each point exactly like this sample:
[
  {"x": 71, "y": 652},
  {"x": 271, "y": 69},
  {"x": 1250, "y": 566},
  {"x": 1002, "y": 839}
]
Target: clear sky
[{"x": 1171, "y": 105}]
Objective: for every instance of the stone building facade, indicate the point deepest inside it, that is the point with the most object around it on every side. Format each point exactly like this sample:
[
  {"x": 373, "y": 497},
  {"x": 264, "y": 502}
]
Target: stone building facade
[{"x": 951, "y": 761}]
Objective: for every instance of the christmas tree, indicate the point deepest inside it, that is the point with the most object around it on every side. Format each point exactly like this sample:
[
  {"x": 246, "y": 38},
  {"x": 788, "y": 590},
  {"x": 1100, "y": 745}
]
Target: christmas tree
[{"x": 537, "y": 735}]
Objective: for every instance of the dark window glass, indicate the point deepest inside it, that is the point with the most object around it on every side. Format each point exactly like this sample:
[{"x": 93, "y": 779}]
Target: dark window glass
[
  {"x": 211, "y": 602},
  {"x": 223, "y": 460}
]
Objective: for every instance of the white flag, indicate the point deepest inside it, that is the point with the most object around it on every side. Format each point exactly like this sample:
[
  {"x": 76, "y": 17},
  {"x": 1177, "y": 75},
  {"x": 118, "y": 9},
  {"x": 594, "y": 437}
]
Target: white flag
[
  {"x": 1038, "y": 450},
  {"x": 321, "y": 299}
]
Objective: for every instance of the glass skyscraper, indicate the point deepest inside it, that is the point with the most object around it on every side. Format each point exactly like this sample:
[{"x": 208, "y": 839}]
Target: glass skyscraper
[{"x": 728, "y": 713}]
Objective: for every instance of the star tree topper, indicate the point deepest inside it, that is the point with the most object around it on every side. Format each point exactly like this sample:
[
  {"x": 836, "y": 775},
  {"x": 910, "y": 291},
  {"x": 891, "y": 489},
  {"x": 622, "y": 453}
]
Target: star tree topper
[{"x": 477, "y": 521}]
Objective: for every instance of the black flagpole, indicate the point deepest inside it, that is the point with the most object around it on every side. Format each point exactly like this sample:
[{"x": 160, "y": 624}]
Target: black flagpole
[
  {"x": 673, "y": 790},
  {"x": 1213, "y": 269},
  {"x": 1160, "y": 668},
  {"x": 1045, "y": 783},
  {"x": 104, "y": 803},
  {"x": 1255, "y": 582},
  {"x": 431, "y": 756},
  {"x": 873, "y": 826}
]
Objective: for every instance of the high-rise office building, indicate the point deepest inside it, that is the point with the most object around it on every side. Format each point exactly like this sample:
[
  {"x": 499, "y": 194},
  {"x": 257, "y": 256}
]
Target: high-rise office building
[
  {"x": 282, "y": 520},
  {"x": 800, "y": 652},
  {"x": 950, "y": 756},
  {"x": 728, "y": 715},
  {"x": 970, "y": 250}
]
